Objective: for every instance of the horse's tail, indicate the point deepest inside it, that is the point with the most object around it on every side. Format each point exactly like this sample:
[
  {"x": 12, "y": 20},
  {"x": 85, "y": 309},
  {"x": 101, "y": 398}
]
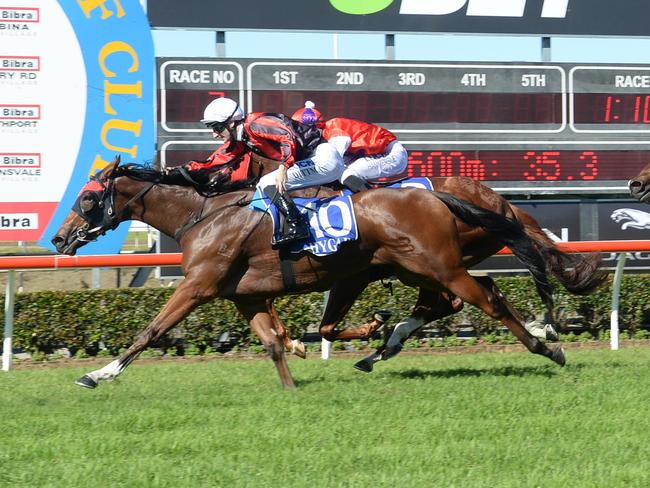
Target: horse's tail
[
  {"x": 580, "y": 274},
  {"x": 509, "y": 232}
]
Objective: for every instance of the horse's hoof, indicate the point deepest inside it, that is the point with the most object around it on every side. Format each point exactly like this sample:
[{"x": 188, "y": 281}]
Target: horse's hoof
[
  {"x": 364, "y": 365},
  {"x": 382, "y": 315},
  {"x": 86, "y": 381},
  {"x": 391, "y": 351},
  {"x": 298, "y": 348},
  {"x": 558, "y": 356}
]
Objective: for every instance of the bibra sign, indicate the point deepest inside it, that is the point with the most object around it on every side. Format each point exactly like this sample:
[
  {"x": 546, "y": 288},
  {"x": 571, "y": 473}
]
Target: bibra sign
[
  {"x": 65, "y": 116},
  {"x": 19, "y": 221},
  {"x": 525, "y": 17}
]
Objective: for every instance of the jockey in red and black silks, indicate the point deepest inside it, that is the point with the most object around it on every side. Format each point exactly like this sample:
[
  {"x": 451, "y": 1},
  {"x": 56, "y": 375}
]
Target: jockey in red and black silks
[
  {"x": 274, "y": 136},
  {"x": 270, "y": 135}
]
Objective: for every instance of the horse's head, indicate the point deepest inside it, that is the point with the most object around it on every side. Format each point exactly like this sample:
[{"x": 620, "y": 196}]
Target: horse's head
[
  {"x": 640, "y": 185},
  {"x": 92, "y": 214}
]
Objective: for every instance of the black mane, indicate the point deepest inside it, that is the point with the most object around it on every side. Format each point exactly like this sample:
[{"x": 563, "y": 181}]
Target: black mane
[
  {"x": 141, "y": 172},
  {"x": 200, "y": 180}
]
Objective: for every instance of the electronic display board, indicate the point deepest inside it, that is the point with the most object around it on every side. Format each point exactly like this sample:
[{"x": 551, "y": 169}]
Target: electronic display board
[{"x": 519, "y": 127}]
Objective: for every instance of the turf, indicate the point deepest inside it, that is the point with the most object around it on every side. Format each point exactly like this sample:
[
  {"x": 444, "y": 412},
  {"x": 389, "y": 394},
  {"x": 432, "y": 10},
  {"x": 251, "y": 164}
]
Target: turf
[{"x": 482, "y": 420}]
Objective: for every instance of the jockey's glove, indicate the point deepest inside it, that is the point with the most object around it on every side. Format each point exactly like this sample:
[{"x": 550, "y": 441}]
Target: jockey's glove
[{"x": 174, "y": 171}]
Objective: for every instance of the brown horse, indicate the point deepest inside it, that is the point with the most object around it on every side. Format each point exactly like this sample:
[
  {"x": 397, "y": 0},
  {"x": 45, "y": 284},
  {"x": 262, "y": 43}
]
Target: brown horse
[
  {"x": 577, "y": 273},
  {"x": 226, "y": 252}
]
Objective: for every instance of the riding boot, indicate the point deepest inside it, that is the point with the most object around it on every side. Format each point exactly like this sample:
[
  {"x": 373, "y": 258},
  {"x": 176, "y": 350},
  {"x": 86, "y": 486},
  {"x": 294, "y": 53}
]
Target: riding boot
[
  {"x": 294, "y": 227},
  {"x": 356, "y": 184}
]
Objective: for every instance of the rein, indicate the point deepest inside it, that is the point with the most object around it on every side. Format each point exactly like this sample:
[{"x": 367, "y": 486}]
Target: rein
[
  {"x": 178, "y": 235},
  {"x": 242, "y": 202},
  {"x": 135, "y": 197}
]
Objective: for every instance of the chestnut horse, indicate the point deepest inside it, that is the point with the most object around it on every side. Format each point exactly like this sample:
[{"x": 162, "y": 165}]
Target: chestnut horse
[
  {"x": 226, "y": 252},
  {"x": 578, "y": 273}
]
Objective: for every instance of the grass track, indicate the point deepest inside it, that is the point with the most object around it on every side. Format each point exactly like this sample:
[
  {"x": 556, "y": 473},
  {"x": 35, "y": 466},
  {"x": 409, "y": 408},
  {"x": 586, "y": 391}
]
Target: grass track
[{"x": 483, "y": 420}]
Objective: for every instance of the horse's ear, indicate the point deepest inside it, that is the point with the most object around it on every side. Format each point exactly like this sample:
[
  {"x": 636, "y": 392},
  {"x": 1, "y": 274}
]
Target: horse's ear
[
  {"x": 110, "y": 168},
  {"x": 117, "y": 159}
]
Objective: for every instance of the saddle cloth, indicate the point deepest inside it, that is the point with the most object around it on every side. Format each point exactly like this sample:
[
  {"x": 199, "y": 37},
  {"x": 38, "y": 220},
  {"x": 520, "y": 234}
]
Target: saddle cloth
[{"x": 331, "y": 221}]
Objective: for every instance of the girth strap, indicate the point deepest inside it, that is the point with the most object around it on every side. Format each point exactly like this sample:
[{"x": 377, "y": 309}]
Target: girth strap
[{"x": 286, "y": 268}]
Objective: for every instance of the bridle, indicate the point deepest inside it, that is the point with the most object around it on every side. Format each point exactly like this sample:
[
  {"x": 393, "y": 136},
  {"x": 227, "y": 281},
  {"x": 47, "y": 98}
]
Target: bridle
[{"x": 102, "y": 217}]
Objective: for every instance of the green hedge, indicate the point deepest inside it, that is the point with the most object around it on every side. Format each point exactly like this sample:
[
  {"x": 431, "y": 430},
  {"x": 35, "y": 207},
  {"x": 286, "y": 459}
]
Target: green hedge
[{"x": 94, "y": 319}]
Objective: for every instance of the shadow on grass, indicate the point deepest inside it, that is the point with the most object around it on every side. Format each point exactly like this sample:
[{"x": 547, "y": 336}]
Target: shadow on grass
[
  {"x": 520, "y": 371},
  {"x": 513, "y": 371}
]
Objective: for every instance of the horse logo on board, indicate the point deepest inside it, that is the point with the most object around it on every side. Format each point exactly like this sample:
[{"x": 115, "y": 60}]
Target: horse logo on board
[{"x": 631, "y": 218}]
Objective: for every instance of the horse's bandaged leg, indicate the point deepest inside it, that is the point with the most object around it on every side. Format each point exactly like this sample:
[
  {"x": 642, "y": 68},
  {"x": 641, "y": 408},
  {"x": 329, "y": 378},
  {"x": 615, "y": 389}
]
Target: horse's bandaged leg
[
  {"x": 403, "y": 330},
  {"x": 546, "y": 332},
  {"x": 108, "y": 372}
]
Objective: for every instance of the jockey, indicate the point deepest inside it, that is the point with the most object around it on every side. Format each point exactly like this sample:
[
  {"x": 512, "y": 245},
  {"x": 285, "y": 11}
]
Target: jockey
[
  {"x": 272, "y": 135},
  {"x": 369, "y": 151}
]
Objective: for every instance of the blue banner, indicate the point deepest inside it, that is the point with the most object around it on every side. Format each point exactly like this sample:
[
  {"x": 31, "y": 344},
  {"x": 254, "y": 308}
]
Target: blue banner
[{"x": 117, "y": 47}]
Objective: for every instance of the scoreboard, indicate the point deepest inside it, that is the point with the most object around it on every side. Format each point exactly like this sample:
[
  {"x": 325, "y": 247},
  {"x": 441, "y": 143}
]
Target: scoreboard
[{"x": 521, "y": 128}]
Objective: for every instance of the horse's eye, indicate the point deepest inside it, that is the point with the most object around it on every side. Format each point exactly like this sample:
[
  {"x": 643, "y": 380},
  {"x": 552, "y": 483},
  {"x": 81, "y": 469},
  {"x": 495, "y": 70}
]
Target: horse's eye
[{"x": 87, "y": 202}]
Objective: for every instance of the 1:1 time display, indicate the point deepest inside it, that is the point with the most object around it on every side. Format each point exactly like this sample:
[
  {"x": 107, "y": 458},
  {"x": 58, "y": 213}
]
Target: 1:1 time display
[{"x": 619, "y": 108}]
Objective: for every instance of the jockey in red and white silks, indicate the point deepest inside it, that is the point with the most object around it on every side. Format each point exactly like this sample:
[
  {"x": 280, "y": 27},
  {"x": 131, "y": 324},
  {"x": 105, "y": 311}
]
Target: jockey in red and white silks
[{"x": 368, "y": 151}]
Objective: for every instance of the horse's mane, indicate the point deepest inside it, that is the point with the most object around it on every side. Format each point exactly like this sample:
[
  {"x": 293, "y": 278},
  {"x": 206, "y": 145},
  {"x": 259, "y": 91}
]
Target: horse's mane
[{"x": 141, "y": 172}]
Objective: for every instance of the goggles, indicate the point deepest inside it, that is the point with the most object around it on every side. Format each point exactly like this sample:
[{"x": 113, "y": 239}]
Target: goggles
[{"x": 217, "y": 126}]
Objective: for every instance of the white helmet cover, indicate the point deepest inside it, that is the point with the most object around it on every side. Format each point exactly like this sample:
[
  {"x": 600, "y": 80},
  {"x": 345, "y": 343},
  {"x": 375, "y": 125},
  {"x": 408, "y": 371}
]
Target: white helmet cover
[{"x": 222, "y": 110}]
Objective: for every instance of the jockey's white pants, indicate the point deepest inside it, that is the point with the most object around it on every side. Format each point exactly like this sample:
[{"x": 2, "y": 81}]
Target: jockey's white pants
[
  {"x": 325, "y": 166},
  {"x": 391, "y": 163}
]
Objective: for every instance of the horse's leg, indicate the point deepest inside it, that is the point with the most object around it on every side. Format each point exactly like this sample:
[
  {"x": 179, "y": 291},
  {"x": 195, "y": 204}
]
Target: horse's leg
[
  {"x": 341, "y": 298},
  {"x": 185, "y": 298},
  {"x": 261, "y": 322},
  {"x": 539, "y": 329},
  {"x": 431, "y": 305},
  {"x": 493, "y": 303},
  {"x": 293, "y": 346}
]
